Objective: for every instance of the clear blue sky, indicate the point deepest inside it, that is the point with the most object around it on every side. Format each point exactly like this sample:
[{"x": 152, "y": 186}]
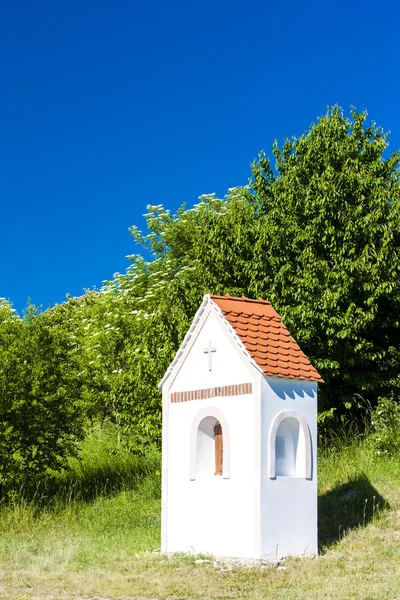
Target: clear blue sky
[{"x": 106, "y": 107}]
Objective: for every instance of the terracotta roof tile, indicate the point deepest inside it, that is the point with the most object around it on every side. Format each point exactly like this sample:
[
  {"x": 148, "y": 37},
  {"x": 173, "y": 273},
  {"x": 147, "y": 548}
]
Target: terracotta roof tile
[{"x": 266, "y": 338}]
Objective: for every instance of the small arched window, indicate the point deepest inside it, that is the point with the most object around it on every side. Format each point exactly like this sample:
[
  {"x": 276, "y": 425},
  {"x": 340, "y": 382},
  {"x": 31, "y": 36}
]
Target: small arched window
[{"x": 209, "y": 444}]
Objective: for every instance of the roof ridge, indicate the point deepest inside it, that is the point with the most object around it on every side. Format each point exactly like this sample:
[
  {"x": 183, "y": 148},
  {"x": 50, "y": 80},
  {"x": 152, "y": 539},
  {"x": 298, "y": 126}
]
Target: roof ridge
[{"x": 242, "y": 299}]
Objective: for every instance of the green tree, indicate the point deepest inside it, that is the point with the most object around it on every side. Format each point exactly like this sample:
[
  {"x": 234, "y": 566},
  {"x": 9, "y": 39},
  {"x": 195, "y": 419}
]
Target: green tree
[{"x": 328, "y": 257}]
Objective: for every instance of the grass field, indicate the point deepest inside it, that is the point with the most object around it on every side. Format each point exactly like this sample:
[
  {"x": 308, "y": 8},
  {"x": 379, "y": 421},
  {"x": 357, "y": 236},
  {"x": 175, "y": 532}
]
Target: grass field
[{"x": 96, "y": 533}]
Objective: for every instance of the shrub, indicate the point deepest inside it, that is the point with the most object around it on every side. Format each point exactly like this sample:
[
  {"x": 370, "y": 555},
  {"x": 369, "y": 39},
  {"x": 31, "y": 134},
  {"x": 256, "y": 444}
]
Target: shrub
[
  {"x": 41, "y": 417},
  {"x": 385, "y": 421}
]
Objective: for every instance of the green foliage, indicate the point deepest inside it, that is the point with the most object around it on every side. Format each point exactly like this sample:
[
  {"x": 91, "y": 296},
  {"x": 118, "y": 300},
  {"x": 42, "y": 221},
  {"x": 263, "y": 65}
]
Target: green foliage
[
  {"x": 330, "y": 253},
  {"x": 40, "y": 416},
  {"x": 385, "y": 421}
]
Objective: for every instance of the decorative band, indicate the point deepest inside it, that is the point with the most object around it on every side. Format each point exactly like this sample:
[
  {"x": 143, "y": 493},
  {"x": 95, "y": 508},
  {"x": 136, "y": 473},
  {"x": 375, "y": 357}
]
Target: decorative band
[{"x": 225, "y": 390}]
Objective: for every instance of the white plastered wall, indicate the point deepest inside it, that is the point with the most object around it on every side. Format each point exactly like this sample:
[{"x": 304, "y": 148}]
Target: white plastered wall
[
  {"x": 288, "y": 504},
  {"x": 212, "y": 514}
]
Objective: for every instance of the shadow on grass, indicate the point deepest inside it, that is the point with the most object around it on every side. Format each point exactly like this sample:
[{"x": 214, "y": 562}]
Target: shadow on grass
[{"x": 346, "y": 507}]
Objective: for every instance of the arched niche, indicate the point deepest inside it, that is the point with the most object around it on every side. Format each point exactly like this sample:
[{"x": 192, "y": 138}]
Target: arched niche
[
  {"x": 290, "y": 449},
  {"x": 202, "y": 443}
]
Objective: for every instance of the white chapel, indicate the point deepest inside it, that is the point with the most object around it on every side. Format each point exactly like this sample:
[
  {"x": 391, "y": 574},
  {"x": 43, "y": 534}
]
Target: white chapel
[{"x": 239, "y": 475}]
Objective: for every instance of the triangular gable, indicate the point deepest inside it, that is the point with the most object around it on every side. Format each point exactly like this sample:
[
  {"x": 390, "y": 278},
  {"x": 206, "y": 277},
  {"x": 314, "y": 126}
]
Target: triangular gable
[{"x": 191, "y": 335}]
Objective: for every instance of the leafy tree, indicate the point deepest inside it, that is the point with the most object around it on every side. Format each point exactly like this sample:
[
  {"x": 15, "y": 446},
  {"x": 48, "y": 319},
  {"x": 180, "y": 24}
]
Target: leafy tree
[{"x": 328, "y": 257}]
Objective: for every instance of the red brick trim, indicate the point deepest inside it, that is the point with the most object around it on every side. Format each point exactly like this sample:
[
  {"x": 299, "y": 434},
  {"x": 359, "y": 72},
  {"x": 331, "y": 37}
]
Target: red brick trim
[{"x": 238, "y": 389}]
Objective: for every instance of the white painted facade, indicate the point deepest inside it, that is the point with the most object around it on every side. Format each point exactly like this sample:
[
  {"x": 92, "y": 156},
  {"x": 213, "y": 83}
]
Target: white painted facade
[{"x": 261, "y": 506}]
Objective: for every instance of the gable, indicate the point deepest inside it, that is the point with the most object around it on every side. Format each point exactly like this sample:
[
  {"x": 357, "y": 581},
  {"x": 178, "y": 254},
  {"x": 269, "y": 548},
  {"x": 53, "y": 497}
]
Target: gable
[{"x": 213, "y": 358}]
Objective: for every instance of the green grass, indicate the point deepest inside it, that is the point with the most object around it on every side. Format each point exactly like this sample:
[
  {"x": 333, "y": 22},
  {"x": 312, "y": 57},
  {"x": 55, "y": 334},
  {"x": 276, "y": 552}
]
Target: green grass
[{"x": 94, "y": 534}]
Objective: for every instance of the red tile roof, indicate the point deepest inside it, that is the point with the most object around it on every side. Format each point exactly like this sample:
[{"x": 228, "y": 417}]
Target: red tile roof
[{"x": 265, "y": 337}]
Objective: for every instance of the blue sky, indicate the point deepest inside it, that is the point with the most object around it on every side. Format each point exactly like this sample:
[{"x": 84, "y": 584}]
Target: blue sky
[{"x": 106, "y": 107}]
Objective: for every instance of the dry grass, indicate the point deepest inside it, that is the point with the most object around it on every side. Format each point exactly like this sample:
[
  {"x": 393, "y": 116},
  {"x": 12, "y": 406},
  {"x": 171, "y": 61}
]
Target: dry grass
[{"x": 105, "y": 547}]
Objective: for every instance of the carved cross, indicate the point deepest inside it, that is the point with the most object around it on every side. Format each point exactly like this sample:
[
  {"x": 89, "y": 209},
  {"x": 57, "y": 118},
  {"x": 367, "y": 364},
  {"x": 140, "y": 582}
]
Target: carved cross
[{"x": 208, "y": 351}]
